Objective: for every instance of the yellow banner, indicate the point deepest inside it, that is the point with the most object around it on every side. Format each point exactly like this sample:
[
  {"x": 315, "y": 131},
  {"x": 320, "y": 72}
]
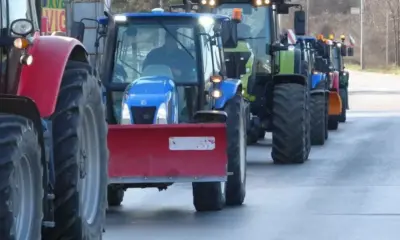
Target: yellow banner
[{"x": 56, "y": 19}]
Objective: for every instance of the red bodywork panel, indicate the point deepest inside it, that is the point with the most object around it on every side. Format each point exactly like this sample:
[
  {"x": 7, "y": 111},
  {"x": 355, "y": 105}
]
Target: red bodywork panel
[
  {"x": 41, "y": 80},
  {"x": 335, "y": 80},
  {"x": 139, "y": 152}
]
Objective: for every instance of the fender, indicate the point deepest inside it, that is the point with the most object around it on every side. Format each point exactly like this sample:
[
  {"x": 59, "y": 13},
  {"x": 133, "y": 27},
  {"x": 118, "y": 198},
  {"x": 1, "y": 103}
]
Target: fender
[
  {"x": 290, "y": 61},
  {"x": 229, "y": 88},
  {"x": 334, "y": 81},
  {"x": 290, "y": 78},
  {"x": 317, "y": 79},
  {"x": 41, "y": 81},
  {"x": 152, "y": 93},
  {"x": 320, "y": 87}
]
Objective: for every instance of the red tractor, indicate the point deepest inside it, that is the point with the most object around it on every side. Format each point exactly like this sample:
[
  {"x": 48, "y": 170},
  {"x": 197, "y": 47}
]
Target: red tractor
[{"x": 53, "y": 133}]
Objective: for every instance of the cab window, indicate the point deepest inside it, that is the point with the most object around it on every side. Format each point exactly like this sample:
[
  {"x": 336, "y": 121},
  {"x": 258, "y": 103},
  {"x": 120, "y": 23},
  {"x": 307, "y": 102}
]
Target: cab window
[{"x": 19, "y": 9}]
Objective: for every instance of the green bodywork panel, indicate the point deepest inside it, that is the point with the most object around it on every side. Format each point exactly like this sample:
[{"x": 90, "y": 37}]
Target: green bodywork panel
[
  {"x": 243, "y": 46},
  {"x": 344, "y": 80},
  {"x": 286, "y": 62}
]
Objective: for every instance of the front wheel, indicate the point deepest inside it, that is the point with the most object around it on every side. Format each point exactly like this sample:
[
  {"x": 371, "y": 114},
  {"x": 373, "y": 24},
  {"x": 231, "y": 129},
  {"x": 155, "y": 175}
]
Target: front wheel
[
  {"x": 290, "y": 124},
  {"x": 80, "y": 156},
  {"x": 21, "y": 172},
  {"x": 237, "y": 147},
  {"x": 115, "y": 196}
]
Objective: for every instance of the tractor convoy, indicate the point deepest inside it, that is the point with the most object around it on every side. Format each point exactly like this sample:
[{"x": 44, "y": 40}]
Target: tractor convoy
[{"x": 151, "y": 99}]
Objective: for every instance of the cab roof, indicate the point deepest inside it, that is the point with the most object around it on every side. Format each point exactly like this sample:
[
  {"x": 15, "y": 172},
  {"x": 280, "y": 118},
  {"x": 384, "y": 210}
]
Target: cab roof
[
  {"x": 104, "y": 20},
  {"x": 307, "y": 38}
]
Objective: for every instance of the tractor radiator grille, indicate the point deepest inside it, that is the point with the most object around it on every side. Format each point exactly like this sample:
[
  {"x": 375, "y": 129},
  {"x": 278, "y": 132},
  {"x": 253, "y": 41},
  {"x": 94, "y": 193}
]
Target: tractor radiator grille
[{"x": 143, "y": 115}]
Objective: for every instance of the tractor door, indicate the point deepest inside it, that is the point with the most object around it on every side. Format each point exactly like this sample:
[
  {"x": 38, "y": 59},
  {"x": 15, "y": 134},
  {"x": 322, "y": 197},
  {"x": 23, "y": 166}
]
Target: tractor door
[{"x": 10, "y": 56}]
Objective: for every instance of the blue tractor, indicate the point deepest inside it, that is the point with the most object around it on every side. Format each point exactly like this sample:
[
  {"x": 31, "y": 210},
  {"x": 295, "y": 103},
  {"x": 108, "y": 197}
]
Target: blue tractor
[
  {"x": 319, "y": 88},
  {"x": 165, "y": 81}
]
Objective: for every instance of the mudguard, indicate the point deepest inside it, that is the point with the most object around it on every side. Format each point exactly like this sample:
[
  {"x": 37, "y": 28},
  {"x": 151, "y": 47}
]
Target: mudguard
[
  {"x": 290, "y": 78},
  {"x": 167, "y": 153},
  {"x": 334, "y": 85},
  {"x": 146, "y": 95},
  {"x": 318, "y": 79},
  {"x": 42, "y": 79},
  {"x": 229, "y": 88},
  {"x": 335, "y": 103},
  {"x": 290, "y": 61}
]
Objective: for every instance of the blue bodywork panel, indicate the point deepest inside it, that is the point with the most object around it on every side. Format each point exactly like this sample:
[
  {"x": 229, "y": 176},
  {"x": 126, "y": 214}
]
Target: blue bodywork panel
[
  {"x": 307, "y": 38},
  {"x": 317, "y": 78},
  {"x": 153, "y": 91},
  {"x": 228, "y": 88},
  {"x": 104, "y": 20}
]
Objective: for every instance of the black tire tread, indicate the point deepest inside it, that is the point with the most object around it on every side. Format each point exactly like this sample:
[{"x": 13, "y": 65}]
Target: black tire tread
[
  {"x": 289, "y": 140},
  {"x": 235, "y": 189},
  {"x": 79, "y": 88},
  {"x": 115, "y": 197},
  {"x": 318, "y": 126},
  {"x": 18, "y": 137}
]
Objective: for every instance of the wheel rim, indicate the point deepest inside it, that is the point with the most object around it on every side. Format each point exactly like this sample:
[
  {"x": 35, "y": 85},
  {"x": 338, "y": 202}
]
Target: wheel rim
[
  {"x": 89, "y": 167},
  {"x": 242, "y": 150},
  {"x": 23, "y": 199}
]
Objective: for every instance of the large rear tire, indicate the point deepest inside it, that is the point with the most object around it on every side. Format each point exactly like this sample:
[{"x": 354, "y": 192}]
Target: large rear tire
[
  {"x": 289, "y": 134},
  {"x": 343, "y": 97},
  {"x": 21, "y": 173},
  {"x": 80, "y": 156},
  {"x": 318, "y": 126}
]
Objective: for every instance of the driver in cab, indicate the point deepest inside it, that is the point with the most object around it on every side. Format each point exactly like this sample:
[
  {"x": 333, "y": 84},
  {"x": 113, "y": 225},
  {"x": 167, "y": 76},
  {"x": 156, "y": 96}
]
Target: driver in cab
[{"x": 181, "y": 63}]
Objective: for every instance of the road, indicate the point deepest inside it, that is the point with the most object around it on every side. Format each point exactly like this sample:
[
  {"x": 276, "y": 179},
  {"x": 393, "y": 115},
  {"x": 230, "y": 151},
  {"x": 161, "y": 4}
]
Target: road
[{"x": 348, "y": 190}]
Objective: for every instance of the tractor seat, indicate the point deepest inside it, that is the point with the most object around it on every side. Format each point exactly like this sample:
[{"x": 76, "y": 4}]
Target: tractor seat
[{"x": 157, "y": 70}]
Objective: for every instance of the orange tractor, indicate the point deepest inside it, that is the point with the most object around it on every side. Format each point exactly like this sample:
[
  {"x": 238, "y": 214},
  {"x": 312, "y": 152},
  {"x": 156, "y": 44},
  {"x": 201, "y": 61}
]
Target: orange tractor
[
  {"x": 333, "y": 52},
  {"x": 53, "y": 133}
]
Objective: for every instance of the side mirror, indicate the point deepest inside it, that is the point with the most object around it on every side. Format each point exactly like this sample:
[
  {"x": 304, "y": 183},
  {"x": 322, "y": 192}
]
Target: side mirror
[
  {"x": 78, "y": 30},
  {"x": 229, "y": 34},
  {"x": 283, "y": 9},
  {"x": 300, "y": 22},
  {"x": 21, "y": 27},
  {"x": 343, "y": 50},
  {"x": 350, "y": 52}
]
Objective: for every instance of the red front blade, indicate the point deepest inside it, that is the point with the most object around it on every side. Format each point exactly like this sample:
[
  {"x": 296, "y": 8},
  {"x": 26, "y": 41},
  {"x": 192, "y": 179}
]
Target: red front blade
[{"x": 154, "y": 153}]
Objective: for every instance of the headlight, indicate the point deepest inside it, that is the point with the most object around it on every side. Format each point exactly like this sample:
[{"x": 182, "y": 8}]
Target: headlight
[
  {"x": 161, "y": 117},
  {"x": 216, "y": 93},
  {"x": 126, "y": 115}
]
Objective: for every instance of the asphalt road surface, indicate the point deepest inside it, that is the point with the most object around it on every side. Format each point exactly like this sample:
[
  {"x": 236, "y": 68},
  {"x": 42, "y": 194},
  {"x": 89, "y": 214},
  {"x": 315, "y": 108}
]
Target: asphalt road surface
[{"x": 348, "y": 190}]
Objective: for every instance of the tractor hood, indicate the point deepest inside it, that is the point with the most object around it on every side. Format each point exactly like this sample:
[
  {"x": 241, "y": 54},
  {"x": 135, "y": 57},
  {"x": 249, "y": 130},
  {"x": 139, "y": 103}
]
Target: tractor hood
[{"x": 147, "y": 97}]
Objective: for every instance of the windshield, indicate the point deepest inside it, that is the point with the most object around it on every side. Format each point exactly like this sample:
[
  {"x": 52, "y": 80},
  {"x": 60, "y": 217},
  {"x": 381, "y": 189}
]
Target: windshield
[
  {"x": 155, "y": 48},
  {"x": 18, "y": 9},
  {"x": 254, "y": 19},
  {"x": 255, "y": 29}
]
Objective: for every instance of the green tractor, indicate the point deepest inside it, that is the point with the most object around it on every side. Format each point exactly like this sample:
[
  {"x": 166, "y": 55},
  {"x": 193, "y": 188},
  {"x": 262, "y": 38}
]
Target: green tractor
[{"x": 270, "y": 67}]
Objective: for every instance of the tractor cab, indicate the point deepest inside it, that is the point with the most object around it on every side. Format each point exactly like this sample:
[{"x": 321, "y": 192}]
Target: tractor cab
[
  {"x": 18, "y": 27},
  {"x": 158, "y": 63}
]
